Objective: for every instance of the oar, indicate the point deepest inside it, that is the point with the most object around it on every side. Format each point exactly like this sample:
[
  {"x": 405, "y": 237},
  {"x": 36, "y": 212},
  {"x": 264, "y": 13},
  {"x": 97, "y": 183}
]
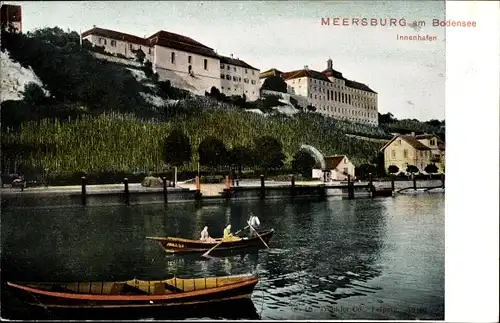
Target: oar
[
  {"x": 265, "y": 244},
  {"x": 206, "y": 253},
  {"x": 240, "y": 230}
]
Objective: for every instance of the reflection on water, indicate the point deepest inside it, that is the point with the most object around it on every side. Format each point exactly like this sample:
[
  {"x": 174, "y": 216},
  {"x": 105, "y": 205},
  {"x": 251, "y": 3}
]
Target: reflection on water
[{"x": 338, "y": 259}]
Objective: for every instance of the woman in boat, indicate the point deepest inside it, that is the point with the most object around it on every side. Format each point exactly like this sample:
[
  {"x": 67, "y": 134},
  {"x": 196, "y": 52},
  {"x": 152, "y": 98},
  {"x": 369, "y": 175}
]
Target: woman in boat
[
  {"x": 228, "y": 236},
  {"x": 205, "y": 237}
]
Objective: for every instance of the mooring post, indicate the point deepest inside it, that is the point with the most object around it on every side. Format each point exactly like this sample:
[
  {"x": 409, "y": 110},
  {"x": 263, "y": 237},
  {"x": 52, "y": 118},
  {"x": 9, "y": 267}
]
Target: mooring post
[
  {"x": 165, "y": 197},
  {"x": 414, "y": 182},
  {"x": 197, "y": 194},
  {"x": 127, "y": 197},
  {"x": 392, "y": 184},
  {"x": 293, "y": 185},
  {"x": 262, "y": 187},
  {"x": 175, "y": 177},
  {"x": 84, "y": 190},
  {"x": 370, "y": 184},
  {"x": 350, "y": 187},
  {"x": 442, "y": 180}
]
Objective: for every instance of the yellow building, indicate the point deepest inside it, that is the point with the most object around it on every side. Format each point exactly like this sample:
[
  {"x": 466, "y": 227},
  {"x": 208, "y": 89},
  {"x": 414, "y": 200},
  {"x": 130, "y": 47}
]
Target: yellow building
[{"x": 419, "y": 151}]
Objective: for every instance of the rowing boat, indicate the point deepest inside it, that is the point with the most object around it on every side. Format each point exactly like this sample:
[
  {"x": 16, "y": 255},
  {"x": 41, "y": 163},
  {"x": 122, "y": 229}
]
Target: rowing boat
[
  {"x": 174, "y": 245},
  {"x": 136, "y": 293}
]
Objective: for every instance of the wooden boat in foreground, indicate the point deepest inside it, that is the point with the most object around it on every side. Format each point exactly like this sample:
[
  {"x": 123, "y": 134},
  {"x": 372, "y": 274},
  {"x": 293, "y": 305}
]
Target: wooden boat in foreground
[
  {"x": 185, "y": 246},
  {"x": 136, "y": 293}
]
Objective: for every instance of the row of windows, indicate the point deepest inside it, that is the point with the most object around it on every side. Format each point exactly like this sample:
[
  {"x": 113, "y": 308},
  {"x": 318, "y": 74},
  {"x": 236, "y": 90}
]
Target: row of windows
[
  {"x": 422, "y": 153},
  {"x": 236, "y": 79},
  {"x": 359, "y": 120},
  {"x": 348, "y": 111},
  {"x": 235, "y": 89},
  {"x": 222, "y": 66},
  {"x": 343, "y": 98},
  {"x": 112, "y": 42},
  {"x": 330, "y": 84},
  {"x": 190, "y": 60}
]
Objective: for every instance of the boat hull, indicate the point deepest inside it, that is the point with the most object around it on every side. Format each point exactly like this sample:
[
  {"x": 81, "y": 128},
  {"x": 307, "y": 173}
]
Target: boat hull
[{"x": 186, "y": 246}]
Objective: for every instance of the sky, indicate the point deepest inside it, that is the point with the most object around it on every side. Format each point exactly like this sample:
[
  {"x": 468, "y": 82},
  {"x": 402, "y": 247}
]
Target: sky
[{"x": 409, "y": 76}]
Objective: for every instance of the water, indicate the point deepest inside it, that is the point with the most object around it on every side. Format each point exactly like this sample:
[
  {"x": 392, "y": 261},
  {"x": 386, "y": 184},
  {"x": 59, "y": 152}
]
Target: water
[{"x": 337, "y": 259}]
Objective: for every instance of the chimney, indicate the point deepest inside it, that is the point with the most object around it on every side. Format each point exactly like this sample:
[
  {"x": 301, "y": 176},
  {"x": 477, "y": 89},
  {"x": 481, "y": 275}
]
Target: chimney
[
  {"x": 94, "y": 26},
  {"x": 329, "y": 64},
  {"x": 306, "y": 67}
]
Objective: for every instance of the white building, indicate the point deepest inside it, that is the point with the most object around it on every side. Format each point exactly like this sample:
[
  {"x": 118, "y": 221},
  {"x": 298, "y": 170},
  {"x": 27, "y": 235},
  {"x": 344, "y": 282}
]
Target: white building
[
  {"x": 239, "y": 78},
  {"x": 186, "y": 63},
  {"x": 332, "y": 94}
]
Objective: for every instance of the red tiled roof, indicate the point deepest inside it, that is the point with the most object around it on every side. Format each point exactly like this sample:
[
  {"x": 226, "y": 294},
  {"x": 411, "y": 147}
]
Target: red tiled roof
[
  {"x": 116, "y": 35},
  {"x": 330, "y": 72},
  {"x": 236, "y": 62},
  {"x": 190, "y": 48},
  {"x": 177, "y": 38},
  {"x": 305, "y": 73},
  {"x": 331, "y": 162}
]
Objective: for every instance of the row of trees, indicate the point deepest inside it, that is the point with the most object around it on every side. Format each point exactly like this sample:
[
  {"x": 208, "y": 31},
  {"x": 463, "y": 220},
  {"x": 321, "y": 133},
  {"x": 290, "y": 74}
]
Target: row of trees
[{"x": 266, "y": 154}]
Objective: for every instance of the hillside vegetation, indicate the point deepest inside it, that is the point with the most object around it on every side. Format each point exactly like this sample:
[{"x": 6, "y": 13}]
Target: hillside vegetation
[{"x": 95, "y": 119}]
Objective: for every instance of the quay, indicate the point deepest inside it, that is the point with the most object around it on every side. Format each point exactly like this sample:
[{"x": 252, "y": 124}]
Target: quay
[{"x": 135, "y": 193}]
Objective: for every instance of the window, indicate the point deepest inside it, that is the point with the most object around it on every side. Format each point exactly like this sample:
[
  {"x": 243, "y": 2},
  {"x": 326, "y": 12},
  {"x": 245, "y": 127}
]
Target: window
[
  {"x": 432, "y": 142},
  {"x": 393, "y": 154},
  {"x": 234, "y": 69},
  {"x": 245, "y": 80},
  {"x": 113, "y": 43},
  {"x": 346, "y": 171},
  {"x": 246, "y": 71},
  {"x": 222, "y": 66},
  {"x": 253, "y": 82},
  {"x": 205, "y": 64},
  {"x": 328, "y": 95},
  {"x": 105, "y": 41},
  {"x": 149, "y": 51},
  {"x": 405, "y": 153},
  {"x": 235, "y": 78},
  {"x": 228, "y": 77},
  {"x": 228, "y": 68},
  {"x": 130, "y": 46},
  {"x": 222, "y": 76},
  {"x": 190, "y": 69},
  {"x": 253, "y": 72},
  {"x": 189, "y": 59},
  {"x": 172, "y": 58},
  {"x": 100, "y": 40}
]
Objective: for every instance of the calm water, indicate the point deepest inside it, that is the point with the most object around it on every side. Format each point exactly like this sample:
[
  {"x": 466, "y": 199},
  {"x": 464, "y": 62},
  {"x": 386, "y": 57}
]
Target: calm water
[{"x": 338, "y": 259}]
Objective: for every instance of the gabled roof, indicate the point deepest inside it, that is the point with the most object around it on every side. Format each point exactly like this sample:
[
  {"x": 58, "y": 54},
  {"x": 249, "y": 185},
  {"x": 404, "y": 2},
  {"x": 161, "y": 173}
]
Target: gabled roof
[
  {"x": 269, "y": 73},
  {"x": 330, "y": 72},
  {"x": 108, "y": 33},
  {"x": 410, "y": 140},
  {"x": 305, "y": 73},
  {"x": 236, "y": 62},
  {"x": 177, "y": 38},
  {"x": 331, "y": 162},
  {"x": 203, "y": 51}
]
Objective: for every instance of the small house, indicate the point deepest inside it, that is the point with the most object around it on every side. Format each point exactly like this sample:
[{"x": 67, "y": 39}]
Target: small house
[{"x": 337, "y": 168}]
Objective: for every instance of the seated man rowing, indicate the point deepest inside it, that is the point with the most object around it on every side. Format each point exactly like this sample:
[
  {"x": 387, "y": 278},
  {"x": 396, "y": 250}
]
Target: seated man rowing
[
  {"x": 228, "y": 236},
  {"x": 205, "y": 237}
]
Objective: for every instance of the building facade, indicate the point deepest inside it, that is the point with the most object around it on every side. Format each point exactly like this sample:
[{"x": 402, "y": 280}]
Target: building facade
[
  {"x": 405, "y": 150},
  {"x": 11, "y": 16},
  {"x": 239, "y": 78},
  {"x": 186, "y": 63},
  {"x": 332, "y": 94}
]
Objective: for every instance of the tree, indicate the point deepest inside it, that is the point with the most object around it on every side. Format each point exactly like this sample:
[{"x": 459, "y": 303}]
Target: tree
[
  {"x": 303, "y": 163},
  {"x": 275, "y": 83},
  {"x": 140, "y": 56},
  {"x": 431, "y": 169},
  {"x": 177, "y": 149},
  {"x": 363, "y": 171},
  {"x": 212, "y": 152},
  {"x": 33, "y": 93},
  {"x": 311, "y": 108},
  {"x": 393, "y": 169},
  {"x": 241, "y": 156},
  {"x": 270, "y": 153},
  {"x": 412, "y": 169},
  {"x": 148, "y": 68}
]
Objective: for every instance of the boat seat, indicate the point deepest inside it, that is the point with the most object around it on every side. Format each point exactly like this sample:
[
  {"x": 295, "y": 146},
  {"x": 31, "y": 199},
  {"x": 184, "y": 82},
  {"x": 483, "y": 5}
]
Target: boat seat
[
  {"x": 129, "y": 289},
  {"x": 167, "y": 287}
]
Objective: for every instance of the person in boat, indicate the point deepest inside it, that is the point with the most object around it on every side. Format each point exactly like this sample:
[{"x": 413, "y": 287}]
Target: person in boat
[
  {"x": 205, "y": 237},
  {"x": 255, "y": 223},
  {"x": 228, "y": 236}
]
